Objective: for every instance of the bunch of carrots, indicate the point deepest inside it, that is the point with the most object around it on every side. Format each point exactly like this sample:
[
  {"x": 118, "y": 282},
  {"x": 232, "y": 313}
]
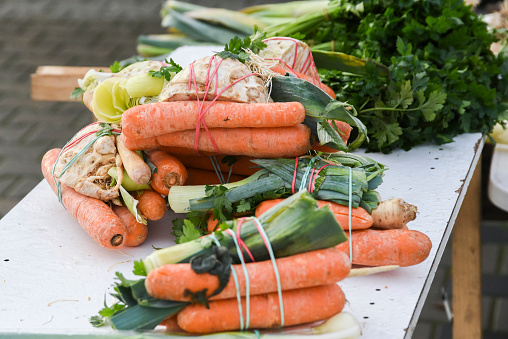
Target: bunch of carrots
[{"x": 314, "y": 283}]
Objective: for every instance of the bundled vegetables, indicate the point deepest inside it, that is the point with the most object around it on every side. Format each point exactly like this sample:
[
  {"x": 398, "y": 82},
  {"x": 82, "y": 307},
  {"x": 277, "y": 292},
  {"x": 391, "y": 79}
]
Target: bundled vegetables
[
  {"x": 219, "y": 268},
  {"x": 406, "y": 68}
]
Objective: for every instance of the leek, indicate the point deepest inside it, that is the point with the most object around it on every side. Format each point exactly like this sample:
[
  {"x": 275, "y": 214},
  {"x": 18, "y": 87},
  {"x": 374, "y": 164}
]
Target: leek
[
  {"x": 276, "y": 180},
  {"x": 294, "y": 226}
]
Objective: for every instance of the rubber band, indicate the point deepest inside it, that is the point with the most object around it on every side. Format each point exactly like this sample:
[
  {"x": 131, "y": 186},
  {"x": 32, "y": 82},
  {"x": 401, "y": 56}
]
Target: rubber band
[
  {"x": 313, "y": 186},
  {"x": 294, "y": 176},
  {"x": 209, "y": 79},
  {"x": 247, "y": 282},
  {"x": 263, "y": 234},
  {"x": 307, "y": 171},
  {"x": 235, "y": 279},
  {"x": 350, "y": 196},
  {"x": 71, "y": 162},
  {"x": 240, "y": 241}
]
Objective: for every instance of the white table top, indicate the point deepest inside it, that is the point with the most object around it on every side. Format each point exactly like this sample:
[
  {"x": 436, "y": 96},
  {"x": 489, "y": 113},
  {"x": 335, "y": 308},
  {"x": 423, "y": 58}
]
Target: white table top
[{"x": 54, "y": 277}]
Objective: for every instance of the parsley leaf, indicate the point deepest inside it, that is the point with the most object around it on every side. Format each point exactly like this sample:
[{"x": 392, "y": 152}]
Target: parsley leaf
[
  {"x": 77, "y": 93},
  {"x": 236, "y": 48},
  {"x": 116, "y": 67},
  {"x": 167, "y": 71}
]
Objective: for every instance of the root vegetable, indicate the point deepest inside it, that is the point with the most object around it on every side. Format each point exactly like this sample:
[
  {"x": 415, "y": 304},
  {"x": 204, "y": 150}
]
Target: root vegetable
[
  {"x": 300, "y": 306},
  {"x": 160, "y": 118},
  {"x": 204, "y": 177},
  {"x": 95, "y": 216},
  {"x": 151, "y": 204},
  {"x": 170, "y": 171},
  {"x": 136, "y": 231},
  {"x": 388, "y": 247},
  {"x": 134, "y": 165},
  {"x": 393, "y": 213},
  {"x": 307, "y": 269},
  {"x": 243, "y": 165},
  {"x": 261, "y": 142}
]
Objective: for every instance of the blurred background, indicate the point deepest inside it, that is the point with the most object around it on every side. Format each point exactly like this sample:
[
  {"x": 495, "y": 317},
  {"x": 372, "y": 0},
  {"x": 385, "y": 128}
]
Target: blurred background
[{"x": 98, "y": 32}]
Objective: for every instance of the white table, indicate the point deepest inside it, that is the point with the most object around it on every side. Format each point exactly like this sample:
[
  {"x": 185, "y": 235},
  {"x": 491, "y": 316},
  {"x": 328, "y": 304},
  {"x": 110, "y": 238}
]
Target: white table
[{"x": 53, "y": 276}]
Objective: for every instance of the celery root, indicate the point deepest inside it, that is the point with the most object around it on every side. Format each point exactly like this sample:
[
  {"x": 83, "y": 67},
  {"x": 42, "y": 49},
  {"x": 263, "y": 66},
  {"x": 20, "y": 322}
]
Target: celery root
[{"x": 393, "y": 213}]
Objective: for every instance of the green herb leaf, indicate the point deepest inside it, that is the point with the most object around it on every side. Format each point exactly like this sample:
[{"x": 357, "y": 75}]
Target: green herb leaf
[
  {"x": 116, "y": 67},
  {"x": 77, "y": 93},
  {"x": 139, "y": 268}
]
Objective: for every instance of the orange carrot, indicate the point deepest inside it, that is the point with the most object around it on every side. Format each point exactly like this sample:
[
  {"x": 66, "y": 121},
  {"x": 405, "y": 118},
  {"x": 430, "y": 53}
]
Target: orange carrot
[
  {"x": 282, "y": 71},
  {"x": 388, "y": 247},
  {"x": 180, "y": 151},
  {"x": 211, "y": 223},
  {"x": 302, "y": 305},
  {"x": 360, "y": 218},
  {"x": 204, "y": 177},
  {"x": 243, "y": 165},
  {"x": 136, "y": 231},
  {"x": 307, "y": 269},
  {"x": 95, "y": 216},
  {"x": 134, "y": 165},
  {"x": 160, "y": 118},
  {"x": 170, "y": 171},
  {"x": 254, "y": 142},
  {"x": 151, "y": 204}
]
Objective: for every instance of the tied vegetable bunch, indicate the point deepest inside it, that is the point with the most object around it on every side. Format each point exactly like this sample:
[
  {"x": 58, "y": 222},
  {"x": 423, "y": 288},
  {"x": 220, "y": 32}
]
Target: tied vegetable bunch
[
  {"x": 327, "y": 176},
  {"x": 141, "y": 306}
]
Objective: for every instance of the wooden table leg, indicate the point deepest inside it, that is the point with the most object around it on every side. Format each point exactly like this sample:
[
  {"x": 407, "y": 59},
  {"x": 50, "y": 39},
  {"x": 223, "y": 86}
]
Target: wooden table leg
[{"x": 466, "y": 259}]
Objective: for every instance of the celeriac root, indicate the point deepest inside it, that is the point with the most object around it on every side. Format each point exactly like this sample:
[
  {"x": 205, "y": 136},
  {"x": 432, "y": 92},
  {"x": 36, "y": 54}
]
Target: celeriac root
[{"x": 393, "y": 213}]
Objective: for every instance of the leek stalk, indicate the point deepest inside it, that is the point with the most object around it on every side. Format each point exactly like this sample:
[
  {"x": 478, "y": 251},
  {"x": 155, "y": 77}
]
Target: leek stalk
[{"x": 294, "y": 226}]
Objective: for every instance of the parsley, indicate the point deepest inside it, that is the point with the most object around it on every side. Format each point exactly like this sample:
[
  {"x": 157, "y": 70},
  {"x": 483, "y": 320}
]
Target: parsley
[
  {"x": 167, "y": 71},
  {"x": 443, "y": 81},
  {"x": 77, "y": 93},
  {"x": 116, "y": 67},
  {"x": 236, "y": 48}
]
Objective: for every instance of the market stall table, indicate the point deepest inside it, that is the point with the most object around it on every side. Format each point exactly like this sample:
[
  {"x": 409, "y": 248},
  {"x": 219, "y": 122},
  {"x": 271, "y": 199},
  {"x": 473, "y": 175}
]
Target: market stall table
[{"x": 54, "y": 277}]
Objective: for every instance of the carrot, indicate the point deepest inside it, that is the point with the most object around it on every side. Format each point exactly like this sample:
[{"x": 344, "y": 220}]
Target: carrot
[
  {"x": 277, "y": 68},
  {"x": 393, "y": 213},
  {"x": 388, "y": 247},
  {"x": 95, "y": 216},
  {"x": 243, "y": 165},
  {"x": 307, "y": 269},
  {"x": 204, "y": 177},
  {"x": 160, "y": 118},
  {"x": 180, "y": 151},
  {"x": 151, "y": 204},
  {"x": 300, "y": 306},
  {"x": 136, "y": 231},
  {"x": 134, "y": 165},
  {"x": 170, "y": 171},
  {"x": 360, "y": 218},
  {"x": 254, "y": 142},
  {"x": 211, "y": 223}
]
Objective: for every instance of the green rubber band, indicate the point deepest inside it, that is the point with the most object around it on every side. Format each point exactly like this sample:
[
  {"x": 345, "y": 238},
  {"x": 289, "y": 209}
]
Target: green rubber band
[
  {"x": 276, "y": 270},
  {"x": 247, "y": 282},
  {"x": 350, "y": 189},
  {"x": 235, "y": 278}
]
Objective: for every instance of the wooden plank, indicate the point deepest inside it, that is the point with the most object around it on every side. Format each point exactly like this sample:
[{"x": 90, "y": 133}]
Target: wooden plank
[
  {"x": 466, "y": 258},
  {"x": 56, "y": 83}
]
